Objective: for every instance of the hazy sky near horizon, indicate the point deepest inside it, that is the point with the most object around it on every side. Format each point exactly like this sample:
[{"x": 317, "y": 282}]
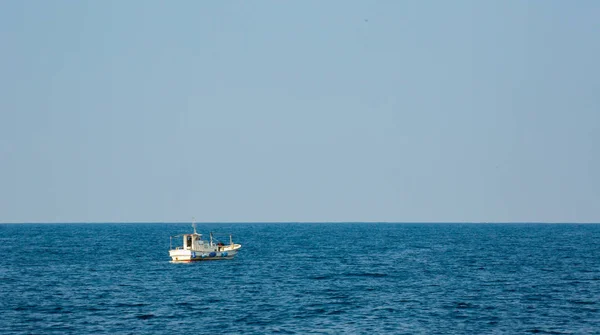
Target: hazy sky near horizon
[{"x": 299, "y": 111}]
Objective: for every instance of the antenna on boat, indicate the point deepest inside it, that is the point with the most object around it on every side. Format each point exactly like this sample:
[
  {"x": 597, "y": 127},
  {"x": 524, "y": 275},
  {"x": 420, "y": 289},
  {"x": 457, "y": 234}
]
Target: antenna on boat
[{"x": 194, "y": 224}]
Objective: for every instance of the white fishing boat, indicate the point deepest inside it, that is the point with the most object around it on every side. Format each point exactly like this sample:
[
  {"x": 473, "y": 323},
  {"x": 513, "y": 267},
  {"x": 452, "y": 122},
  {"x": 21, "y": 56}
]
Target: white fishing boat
[{"x": 194, "y": 248}]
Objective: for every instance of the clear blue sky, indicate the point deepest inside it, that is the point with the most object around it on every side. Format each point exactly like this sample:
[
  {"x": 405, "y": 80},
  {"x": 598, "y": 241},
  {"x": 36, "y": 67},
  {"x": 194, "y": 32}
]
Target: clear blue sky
[{"x": 299, "y": 111}]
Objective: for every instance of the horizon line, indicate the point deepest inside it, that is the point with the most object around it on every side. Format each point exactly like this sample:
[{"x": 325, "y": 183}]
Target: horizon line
[{"x": 307, "y": 222}]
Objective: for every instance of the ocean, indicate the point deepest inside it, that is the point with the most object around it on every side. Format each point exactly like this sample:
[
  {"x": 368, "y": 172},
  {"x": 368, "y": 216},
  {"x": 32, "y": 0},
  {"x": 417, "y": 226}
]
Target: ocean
[{"x": 302, "y": 278}]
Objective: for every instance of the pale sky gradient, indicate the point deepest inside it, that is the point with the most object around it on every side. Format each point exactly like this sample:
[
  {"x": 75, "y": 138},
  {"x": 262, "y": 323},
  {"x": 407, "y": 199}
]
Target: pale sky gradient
[{"x": 300, "y": 111}]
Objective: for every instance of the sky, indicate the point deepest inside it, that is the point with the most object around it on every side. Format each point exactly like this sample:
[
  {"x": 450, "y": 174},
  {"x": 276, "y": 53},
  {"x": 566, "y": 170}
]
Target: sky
[{"x": 295, "y": 111}]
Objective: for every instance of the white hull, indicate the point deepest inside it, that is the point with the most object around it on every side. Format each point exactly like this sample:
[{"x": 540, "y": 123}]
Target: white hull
[{"x": 181, "y": 255}]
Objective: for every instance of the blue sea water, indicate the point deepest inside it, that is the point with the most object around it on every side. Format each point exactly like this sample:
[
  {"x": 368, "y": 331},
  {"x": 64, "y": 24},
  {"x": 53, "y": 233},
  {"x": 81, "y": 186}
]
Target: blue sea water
[{"x": 330, "y": 278}]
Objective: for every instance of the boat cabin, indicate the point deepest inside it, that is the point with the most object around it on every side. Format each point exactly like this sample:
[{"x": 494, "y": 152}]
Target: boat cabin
[{"x": 194, "y": 242}]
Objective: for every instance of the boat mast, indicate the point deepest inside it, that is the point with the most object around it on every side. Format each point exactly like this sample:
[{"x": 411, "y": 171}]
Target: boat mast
[{"x": 194, "y": 224}]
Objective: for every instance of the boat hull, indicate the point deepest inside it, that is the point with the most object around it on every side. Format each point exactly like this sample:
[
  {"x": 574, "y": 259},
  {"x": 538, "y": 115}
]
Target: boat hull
[{"x": 184, "y": 256}]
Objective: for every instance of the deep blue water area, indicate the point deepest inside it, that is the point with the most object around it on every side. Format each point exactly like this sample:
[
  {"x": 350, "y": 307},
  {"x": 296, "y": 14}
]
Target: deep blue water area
[{"x": 329, "y": 278}]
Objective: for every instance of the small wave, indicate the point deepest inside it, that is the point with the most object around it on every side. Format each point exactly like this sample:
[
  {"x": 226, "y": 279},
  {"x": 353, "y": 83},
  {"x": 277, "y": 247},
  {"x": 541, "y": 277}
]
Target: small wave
[
  {"x": 121, "y": 304},
  {"x": 385, "y": 309},
  {"x": 95, "y": 309},
  {"x": 59, "y": 310},
  {"x": 145, "y": 316},
  {"x": 367, "y": 274},
  {"x": 541, "y": 331},
  {"x": 464, "y": 305},
  {"x": 282, "y": 331},
  {"x": 581, "y": 302}
]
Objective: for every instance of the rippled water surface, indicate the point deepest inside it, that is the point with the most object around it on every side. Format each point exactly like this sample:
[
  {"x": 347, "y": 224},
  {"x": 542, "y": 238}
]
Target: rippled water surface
[{"x": 303, "y": 278}]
